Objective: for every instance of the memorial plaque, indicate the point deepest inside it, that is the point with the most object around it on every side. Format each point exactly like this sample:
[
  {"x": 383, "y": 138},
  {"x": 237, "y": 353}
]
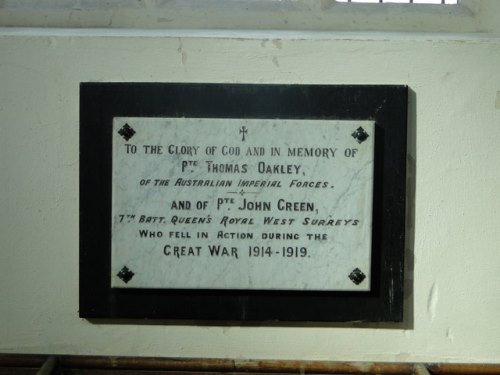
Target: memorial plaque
[{"x": 242, "y": 204}]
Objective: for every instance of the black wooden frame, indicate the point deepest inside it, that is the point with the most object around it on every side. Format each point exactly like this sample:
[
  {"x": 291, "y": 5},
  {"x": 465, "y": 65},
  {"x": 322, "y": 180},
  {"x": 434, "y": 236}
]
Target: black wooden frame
[{"x": 385, "y": 104}]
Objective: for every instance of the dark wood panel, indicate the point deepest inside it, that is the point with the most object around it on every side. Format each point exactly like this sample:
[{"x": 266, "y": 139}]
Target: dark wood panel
[
  {"x": 384, "y": 104},
  {"x": 17, "y": 371}
]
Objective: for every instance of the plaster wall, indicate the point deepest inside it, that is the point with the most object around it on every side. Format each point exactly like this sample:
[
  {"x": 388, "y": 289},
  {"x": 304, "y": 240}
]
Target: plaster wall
[{"x": 452, "y": 277}]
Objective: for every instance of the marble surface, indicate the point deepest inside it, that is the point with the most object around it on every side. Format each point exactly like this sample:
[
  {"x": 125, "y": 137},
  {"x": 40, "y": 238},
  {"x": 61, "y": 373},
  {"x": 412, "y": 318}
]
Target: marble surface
[{"x": 242, "y": 204}]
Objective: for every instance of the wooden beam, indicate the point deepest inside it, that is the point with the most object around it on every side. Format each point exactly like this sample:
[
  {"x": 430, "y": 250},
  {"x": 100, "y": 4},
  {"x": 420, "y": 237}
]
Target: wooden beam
[{"x": 216, "y": 366}]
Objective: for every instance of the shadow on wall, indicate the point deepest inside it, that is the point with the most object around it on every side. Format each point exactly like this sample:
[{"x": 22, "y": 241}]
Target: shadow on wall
[{"x": 408, "y": 312}]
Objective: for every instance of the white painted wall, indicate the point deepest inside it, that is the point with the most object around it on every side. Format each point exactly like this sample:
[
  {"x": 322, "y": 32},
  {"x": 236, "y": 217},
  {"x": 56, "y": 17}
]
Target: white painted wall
[
  {"x": 469, "y": 16},
  {"x": 453, "y": 276}
]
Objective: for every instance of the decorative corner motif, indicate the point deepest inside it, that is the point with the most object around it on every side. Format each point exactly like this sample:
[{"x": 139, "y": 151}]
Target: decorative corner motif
[
  {"x": 357, "y": 276},
  {"x": 125, "y": 274},
  {"x": 126, "y": 132},
  {"x": 360, "y": 135}
]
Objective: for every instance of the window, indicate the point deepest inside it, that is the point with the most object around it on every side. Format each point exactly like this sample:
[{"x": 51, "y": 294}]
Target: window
[{"x": 444, "y": 2}]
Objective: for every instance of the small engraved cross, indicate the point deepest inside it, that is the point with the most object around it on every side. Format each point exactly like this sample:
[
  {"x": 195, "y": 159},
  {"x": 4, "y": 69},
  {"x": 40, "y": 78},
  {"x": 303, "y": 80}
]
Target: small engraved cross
[{"x": 243, "y": 131}]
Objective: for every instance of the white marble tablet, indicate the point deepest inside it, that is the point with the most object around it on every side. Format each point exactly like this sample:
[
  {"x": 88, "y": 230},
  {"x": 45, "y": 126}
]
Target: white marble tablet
[{"x": 262, "y": 204}]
